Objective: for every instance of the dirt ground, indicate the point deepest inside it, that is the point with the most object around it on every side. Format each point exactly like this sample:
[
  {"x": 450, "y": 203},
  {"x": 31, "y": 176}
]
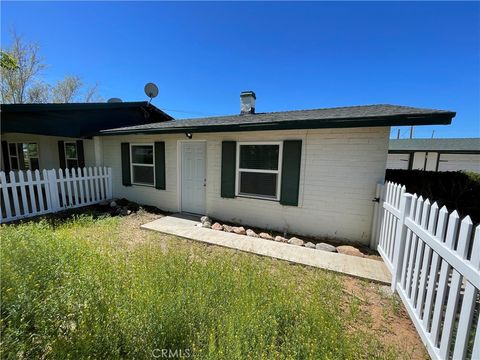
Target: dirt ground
[{"x": 386, "y": 316}]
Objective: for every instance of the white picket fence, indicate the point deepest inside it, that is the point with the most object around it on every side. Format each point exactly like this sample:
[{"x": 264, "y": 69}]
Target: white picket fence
[
  {"x": 435, "y": 263},
  {"x": 26, "y": 193}
]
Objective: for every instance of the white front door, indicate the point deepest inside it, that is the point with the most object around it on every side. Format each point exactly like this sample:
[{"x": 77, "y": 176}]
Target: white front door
[{"x": 193, "y": 177}]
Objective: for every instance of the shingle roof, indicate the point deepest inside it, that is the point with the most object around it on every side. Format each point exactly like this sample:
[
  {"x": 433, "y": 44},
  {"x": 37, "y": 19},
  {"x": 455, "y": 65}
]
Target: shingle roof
[
  {"x": 352, "y": 116},
  {"x": 450, "y": 145}
]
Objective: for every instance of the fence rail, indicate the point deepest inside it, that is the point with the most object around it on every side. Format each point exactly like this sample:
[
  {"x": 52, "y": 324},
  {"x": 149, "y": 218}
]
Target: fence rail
[
  {"x": 435, "y": 263},
  {"x": 25, "y": 193}
]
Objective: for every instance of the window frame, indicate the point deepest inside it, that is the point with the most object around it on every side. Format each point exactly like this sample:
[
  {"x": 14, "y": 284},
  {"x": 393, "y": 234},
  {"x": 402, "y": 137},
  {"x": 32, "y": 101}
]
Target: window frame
[
  {"x": 238, "y": 170},
  {"x": 10, "y": 156},
  {"x": 69, "y": 158},
  {"x": 17, "y": 156},
  {"x": 140, "y": 164}
]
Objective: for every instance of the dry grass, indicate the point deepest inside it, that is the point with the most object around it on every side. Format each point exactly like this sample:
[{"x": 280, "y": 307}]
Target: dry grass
[{"x": 105, "y": 288}]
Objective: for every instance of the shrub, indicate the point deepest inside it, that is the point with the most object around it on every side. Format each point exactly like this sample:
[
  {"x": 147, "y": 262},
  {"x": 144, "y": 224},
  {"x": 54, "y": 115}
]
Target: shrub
[{"x": 456, "y": 190}]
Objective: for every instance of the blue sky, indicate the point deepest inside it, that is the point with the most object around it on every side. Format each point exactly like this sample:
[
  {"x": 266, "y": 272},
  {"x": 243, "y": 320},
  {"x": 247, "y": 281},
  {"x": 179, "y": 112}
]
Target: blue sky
[{"x": 293, "y": 55}]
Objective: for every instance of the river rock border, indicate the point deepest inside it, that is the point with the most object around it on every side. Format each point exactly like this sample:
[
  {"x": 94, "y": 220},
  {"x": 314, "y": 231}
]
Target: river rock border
[{"x": 206, "y": 222}]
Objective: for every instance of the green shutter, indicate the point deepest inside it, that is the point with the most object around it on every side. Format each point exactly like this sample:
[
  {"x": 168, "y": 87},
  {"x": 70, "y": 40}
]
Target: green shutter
[
  {"x": 229, "y": 149},
  {"x": 5, "y": 157},
  {"x": 80, "y": 154},
  {"x": 292, "y": 154},
  {"x": 61, "y": 155},
  {"x": 160, "y": 165},
  {"x": 126, "y": 180}
]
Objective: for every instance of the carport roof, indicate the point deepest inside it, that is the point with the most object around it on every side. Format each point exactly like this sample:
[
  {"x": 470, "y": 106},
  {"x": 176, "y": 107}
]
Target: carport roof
[{"x": 459, "y": 145}]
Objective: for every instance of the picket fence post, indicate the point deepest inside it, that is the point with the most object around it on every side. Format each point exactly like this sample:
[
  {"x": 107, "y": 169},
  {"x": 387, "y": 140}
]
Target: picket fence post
[
  {"x": 377, "y": 216},
  {"x": 400, "y": 239},
  {"x": 110, "y": 184},
  {"x": 53, "y": 190}
]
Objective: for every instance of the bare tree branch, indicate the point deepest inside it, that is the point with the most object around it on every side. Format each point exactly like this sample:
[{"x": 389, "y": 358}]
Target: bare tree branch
[
  {"x": 38, "y": 93},
  {"x": 15, "y": 82},
  {"x": 67, "y": 89},
  {"x": 92, "y": 94}
]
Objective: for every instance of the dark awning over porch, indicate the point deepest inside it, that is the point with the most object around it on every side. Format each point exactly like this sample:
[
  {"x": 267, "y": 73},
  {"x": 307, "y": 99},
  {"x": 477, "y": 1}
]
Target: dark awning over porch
[{"x": 76, "y": 119}]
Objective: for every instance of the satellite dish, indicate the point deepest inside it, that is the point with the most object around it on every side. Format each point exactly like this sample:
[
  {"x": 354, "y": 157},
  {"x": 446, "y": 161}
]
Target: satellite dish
[
  {"x": 114, "y": 100},
  {"x": 151, "y": 90}
]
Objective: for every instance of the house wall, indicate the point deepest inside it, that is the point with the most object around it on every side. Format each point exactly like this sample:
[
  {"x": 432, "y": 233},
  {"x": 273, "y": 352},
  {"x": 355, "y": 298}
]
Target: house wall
[
  {"x": 455, "y": 162},
  {"x": 430, "y": 160},
  {"x": 48, "y": 148},
  {"x": 398, "y": 161},
  {"x": 418, "y": 162},
  {"x": 339, "y": 171}
]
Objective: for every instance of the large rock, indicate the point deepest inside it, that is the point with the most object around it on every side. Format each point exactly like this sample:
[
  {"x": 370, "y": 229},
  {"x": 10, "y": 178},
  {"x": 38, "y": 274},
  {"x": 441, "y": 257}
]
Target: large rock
[
  {"x": 266, "y": 236},
  {"x": 204, "y": 219},
  {"x": 326, "y": 247},
  {"x": 240, "y": 230},
  {"x": 207, "y": 224},
  {"x": 349, "y": 250},
  {"x": 310, "y": 245},
  {"x": 281, "y": 239},
  {"x": 296, "y": 241},
  {"x": 251, "y": 233},
  {"x": 227, "y": 228},
  {"x": 217, "y": 226}
]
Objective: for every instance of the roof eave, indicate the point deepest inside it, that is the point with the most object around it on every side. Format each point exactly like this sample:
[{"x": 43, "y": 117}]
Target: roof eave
[
  {"x": 433, "y": 119},
  {"x": 440, "y": 151}
]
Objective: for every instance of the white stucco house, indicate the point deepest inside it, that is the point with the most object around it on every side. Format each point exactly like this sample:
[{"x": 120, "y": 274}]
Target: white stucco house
[
  {"x": 306, "y": 172},
  {"x": 455, "y": 154}
]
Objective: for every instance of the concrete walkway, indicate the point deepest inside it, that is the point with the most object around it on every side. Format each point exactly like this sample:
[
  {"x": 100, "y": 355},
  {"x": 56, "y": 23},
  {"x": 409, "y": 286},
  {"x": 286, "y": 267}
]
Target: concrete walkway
[{"x": 356, "y": 266}]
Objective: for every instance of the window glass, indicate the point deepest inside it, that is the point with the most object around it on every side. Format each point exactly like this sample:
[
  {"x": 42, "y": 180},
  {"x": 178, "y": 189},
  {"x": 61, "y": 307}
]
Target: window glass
[
  {"x": 143, "y": 174},
  {"x": 32, "y": 149},
  {"x": 23, "y": 156},
  {"x": 12, "y": 149},
  {"x": 254, "y": 183},
  {"x": 70, "y": 150},
  {"x": 142, "y": 154},
  {"x": 258, "y": 170},
  {"x": 14, "y": 163},
  {"x": 24, "y": 153},
  {"x": 263, "y": 157}
]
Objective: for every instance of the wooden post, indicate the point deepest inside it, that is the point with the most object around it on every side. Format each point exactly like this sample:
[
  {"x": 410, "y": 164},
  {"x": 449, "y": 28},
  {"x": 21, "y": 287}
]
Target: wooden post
[
  {"x": 110, "y": 184},
  {"x": 400, "y": 237},
  {"x": 98, "y": 147},
  {"x": 377, "y": 216},
  {"x": 53, "y": 190}
]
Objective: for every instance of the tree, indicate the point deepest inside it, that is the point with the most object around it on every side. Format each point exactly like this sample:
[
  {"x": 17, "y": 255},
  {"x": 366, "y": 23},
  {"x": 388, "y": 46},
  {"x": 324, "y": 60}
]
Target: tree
[
  {"x": 38, "y": 93},
  {"x": 92, "y": 94},
  {"x": 7, "y": 61},
  {"x": 21, "y": 67},
  {"x": 16, "y": 81},
  {"x": 67, "y": 89}
]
